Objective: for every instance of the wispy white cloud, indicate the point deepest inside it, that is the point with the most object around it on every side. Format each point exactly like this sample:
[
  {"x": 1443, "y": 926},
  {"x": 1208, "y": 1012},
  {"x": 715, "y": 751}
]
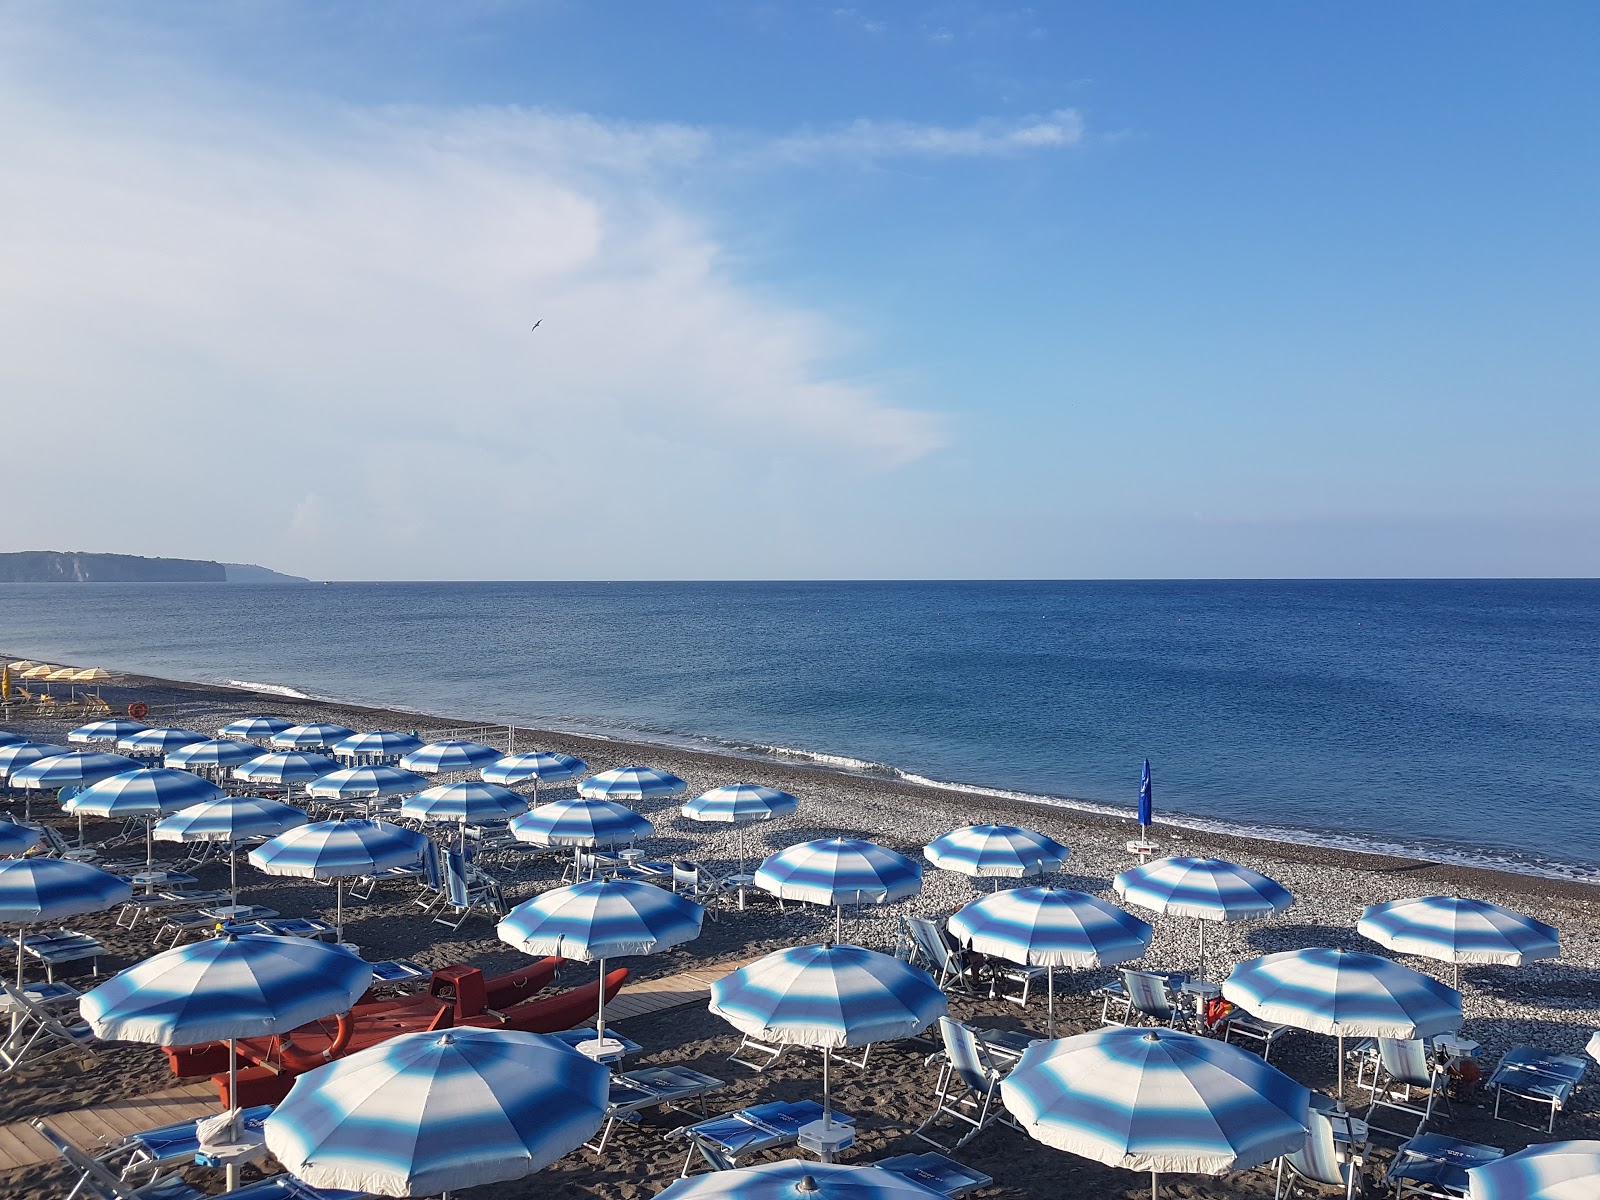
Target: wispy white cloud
[{"x": 867, "y": 139}]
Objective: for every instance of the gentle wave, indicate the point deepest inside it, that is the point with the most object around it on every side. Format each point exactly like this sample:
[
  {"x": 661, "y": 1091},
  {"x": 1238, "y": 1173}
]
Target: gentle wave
[{"x": 272, "y": 689}]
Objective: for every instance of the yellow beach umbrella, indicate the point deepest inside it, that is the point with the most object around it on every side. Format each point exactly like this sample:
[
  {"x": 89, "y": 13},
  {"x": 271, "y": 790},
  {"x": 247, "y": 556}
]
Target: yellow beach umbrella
[
  {"x": 39, "y": 672},
  {"x": 23, "y": 664},
  {"x": 92, "y": 675},
  {"x": 62, "y": 675}
]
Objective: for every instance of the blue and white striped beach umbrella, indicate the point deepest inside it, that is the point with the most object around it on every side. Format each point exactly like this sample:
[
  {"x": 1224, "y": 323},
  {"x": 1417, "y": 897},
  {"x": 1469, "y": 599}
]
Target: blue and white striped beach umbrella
[
  {"x": 231, "y": 819},
  {"x": 142, "y": 795},
  {"x": 1550, "y": 1171},
  {"x": 996, "y": 852},
  {"x": 21, "y": 754},
  {"x": 737, "y": 803},
  {"x": 36, "y": 890},
  {"x": 537, "y": 766},
  {"x": 254, "y": 729},
  {"x": 16, "y": 838},
  {"x": 1208, "y": 889},
  {"x": 448, "y": 757},
  {"x": 601, "y": 919},
  {"x": 433, "y": 1112},
  {"x": 1456, "y": 930},
  {"x": 632, "y": 783},
  {"x": 110, "y": 730},
  {"x": 591, "y": 824},
  {"x": 1157, "y": 1100},
  {"x": 285, "y": 767},
  {"x": 77, "y": 768},
  {"x": 800, "y": 1180},
  {"x": 1050, "y": 928},
  {"x": 156, "y": 743},
  {"x": 7, "y": 738},
  {"x": 383, "y": 745},
  {"x": 839, "y": 871},
  {"x": 339, "y": 850},
  {"x": 213, "y": 754},
  {"x": 467, "y": 802},
  {"x": 365, "y": 783},
  {"x": 828, "y": 997},
  {"x": 1344, "y": 993},
  {"x": 319, "y": 736}
]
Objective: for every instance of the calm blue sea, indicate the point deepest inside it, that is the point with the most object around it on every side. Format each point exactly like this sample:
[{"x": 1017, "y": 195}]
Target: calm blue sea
[{"x": 1456, "y": 719}]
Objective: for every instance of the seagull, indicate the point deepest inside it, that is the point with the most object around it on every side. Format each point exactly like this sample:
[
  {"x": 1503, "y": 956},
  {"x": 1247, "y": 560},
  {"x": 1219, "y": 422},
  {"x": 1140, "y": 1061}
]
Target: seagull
[{"x": 536, "y": 324}]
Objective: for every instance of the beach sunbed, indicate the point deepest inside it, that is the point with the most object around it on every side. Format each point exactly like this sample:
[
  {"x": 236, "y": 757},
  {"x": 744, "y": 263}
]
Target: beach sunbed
[
  {"x": 652, "y": 1087},
  {"x": 932, "y": 950},
  {"x": 1334, "y": 1153},
  {"x": 1404, "y": 1068},
  {"x": 101, "y": 1183},
  {"x": 467, "y": 890},
  {"x": 287, "y": 1187},
  {"x": 135, "y": 910},
  {"x": 726, "y": 1142},
  {"x": 968, "y": 1088},
  {"x": 306, "y": 927},
  {"x": 1138, "y": 994},
  {"x": 43, "y": 1023},
  {"x": 145, "y": 1155},
  {"x": 1538, "y": 1076},
  {"x": 174, "y": 927},
  {"x": 1436, "y": 1166},
  {"x": 935, "y": 1171},
  {"x": 365, "y": 885},
  {"x": 1255, "y": 1029},
  {"x": 56, "y": 846},
  {"x": 55, "y": 947}
]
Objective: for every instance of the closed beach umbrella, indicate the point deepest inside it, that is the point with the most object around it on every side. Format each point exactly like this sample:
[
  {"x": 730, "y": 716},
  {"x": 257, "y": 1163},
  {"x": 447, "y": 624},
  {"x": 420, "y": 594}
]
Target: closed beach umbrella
[
  {"x": 740, "y": 804},
  {"x": 213, "y": 754},
  {"x": 361, "y": 783},
  {"x": 1344, "y": 993},
  {"x": 254, "y": 729},
  {"x": 112, "y": 730},
  {"x": 839, "y": 871},
  {"x": 447, "y": 757},
  {"x": 601, "y": 919},
  {"x": 381, "y": 745},
  {"x": 828, "y": 997},
  {"x": 799, "y": 1180},
  {"x": 1208, "y": 889},
  {"x": 537, "y": 766},
  {"x": 1551, "y": 1171},
  {"x": 17, "y": 839},
  {"x": 230, "y": 819},
  {"x": 285, "y": 768},
  {"x": 632, "y": 783},
  {"x": 469, "y": 802},
  {"x": 316, "y": 736},
  {"x": 1157, "y": 1100},
  {"x": 225, "y": 988},
  {"x": 143, "y": 796},
  {"x": 1456, "y": 930},
  {"x": 339, "y": 850},
  {"x": 155, "y": 743},
  {"x": 36, "y": 890},
  {"x": 1050, "y": 928},
  {"x": 996, "y": 852},
  {"x": 431, "y": 1112}
]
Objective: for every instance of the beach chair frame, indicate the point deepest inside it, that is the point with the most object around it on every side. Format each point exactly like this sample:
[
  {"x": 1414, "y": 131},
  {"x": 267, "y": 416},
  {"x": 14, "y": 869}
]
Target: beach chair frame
[
  {"x": 937, "y": 1173},
  {"x": 1403, "y": 1068},
  {"x": 100, "y": 1181},
  {"x": 725, "y": 1142},
  {"x": 1539, "y": 1077},
  {"x": 932, "y": 950},
  {"x": 1320, "y": 1161},
  {"x": 42, "y": 1028},
  {"x": 634, "y": 1092},
  {"x": 968, "y": 1088}
]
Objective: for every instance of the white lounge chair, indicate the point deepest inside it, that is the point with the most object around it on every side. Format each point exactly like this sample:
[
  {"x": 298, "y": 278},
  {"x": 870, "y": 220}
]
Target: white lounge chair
[
  {"x": 1141, "y": 994},
  {"x": 1331, "y": 1157},
  {"x": 1404, "y": 1069},
  {"x": 43, "y": 1023},
  {"x": 968, "y": 1088},
  {"x": 932, "y": 950}
]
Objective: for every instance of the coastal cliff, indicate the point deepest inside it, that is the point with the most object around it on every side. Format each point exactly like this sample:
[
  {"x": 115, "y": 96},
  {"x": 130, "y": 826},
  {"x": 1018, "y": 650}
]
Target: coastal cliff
[{"x": 57, "y": 566}]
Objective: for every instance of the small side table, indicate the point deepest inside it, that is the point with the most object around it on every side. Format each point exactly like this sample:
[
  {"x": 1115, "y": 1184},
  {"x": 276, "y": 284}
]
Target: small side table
[
  {"x": 1143, "y": 849},
  {"x": 825, "y": 1140}
]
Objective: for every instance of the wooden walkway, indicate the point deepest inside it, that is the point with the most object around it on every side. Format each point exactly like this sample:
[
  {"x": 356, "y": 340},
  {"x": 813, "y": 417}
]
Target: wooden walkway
[{"x": 105, "y": 1124}]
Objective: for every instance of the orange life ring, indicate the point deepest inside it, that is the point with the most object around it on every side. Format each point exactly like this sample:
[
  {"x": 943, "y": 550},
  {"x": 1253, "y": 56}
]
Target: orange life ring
[
  {"x": 138, "y": 710},
  {"x": 300, "y": 1061}
]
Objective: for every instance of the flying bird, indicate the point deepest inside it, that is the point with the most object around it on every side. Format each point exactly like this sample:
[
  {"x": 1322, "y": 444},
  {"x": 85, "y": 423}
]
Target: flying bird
[{"x": 536, "y": 324}]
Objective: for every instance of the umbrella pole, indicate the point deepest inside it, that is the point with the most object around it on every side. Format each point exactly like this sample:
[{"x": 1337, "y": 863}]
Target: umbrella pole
[
  {"x": 1458, "y": 976},
  {"x": 838, "y": 924},
  {"x": 233, "y": 874},
  {"x": 1202, "y": 950},
  {"x": 600, "y": 1017},
  {"x": 1050, "y": 993},
  {"x": 149, "y": 843},
  {"x": 827, "y": 1106},
  {"x": 1155, "y": 1184},
  {"x": 1339, "y": 1068},
  {"x": 233, "y": 1104},
  {"x": 338, "y": 919}
]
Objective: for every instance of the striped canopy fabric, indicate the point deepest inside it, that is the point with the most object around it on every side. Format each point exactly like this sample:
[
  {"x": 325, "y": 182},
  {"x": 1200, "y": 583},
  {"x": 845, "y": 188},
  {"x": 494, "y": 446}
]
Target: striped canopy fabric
[
  {"x": 468, "y": 802},
  {"x": 231, "y": 986},
  {"x": 1211, "y": 889},
  {"x": 433, "y": 1112},
  {"x": 339, "y": 849},
  {"x": 231, "y": 819},
  {"x": 443, "y": 758},
  {"x": 839, "y": 871},
  {"x": 285, "y": 767},
  {"x": 142, "y": 793},
  {"x": 213, "y": 754},
  {"x": 1050, "y": 927},
  {"x": 1345, "y": 993},
  {"x": 799, "y": 1180},
  {"x": 254, "y": 729},
  {"x": 736, "y": 803},
  {"x": 49, "y": 889},
  {"x": 1551, "y": 1171},
  {"x": 110, "y": 730},
  {"x": 829, "y": 997},
  {"x": 379, "y": 744},
  {"x": 1157, "y": 1100},
  {"x": 599, "y": 919},
  {"x": 77, "y": 768},
  {"x": 632, "y": 783},
  {"x": 153, "y": 743},
  {"x": 357, "y": 783},
  {"x": 1456, "y": 930},
  {"x": 17, "y": 839},
  {"x": 996, "y": 851},
  {"x": 319, "y": 736},
  {"x": 20, "y": 754},
  {"x": 540, "y": 766},
  {"x": 14, "y": 739},
  {"x": 1594, "y": 1046},
  {"x": 578, "y": 822}
]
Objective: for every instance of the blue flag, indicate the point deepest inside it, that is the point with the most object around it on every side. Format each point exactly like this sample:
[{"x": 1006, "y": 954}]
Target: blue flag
[{"x": 1144, "y": 794}]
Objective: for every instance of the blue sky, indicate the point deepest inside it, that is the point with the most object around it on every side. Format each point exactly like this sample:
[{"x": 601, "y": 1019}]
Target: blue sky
[{"x": 899, "y": 290}]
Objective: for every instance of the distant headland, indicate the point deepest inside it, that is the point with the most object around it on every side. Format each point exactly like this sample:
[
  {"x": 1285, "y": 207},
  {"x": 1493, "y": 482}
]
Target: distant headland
[{"x": 58, "y": 566}]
